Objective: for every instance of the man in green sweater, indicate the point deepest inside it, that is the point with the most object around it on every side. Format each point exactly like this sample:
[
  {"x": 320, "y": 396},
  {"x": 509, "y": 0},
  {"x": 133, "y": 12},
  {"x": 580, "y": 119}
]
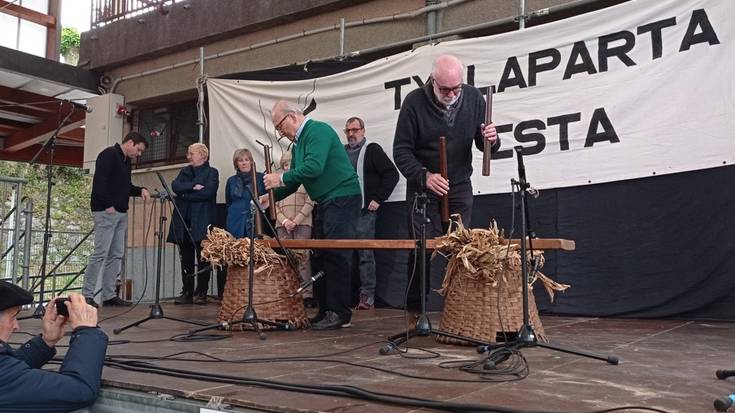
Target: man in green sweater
[{"x": 320, "y": 163}]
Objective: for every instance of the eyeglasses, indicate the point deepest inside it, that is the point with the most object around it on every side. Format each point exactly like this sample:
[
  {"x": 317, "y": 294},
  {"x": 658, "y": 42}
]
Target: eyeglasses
[
  {"x": 352, "y": 130},
  {"x": 278, "y": 125},
  {"x": 445, "y": 90}
]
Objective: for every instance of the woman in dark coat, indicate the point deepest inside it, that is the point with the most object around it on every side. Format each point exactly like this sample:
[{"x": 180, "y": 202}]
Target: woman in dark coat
[
  {"x": 237, "y": 193},
  {"x": 196, "y": 196}
]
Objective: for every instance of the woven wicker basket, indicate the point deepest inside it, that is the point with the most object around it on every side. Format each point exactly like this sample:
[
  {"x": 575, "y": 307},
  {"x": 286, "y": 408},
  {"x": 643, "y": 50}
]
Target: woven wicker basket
[
  {"x": 269, "y": 285},
  {"x": 478, "y": 309}
]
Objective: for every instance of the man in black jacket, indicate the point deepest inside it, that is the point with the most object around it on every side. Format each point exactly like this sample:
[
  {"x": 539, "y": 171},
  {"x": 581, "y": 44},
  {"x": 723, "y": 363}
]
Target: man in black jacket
[
  {"x": 111, "y": 190},
  {"x": 444, "y": 106},
  {"x": 378, "y": 176},
  {"x": 24, "y": 387}
]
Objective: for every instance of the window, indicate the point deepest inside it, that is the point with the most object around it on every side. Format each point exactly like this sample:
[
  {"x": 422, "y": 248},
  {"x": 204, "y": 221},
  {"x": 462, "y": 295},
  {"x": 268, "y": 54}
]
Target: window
[{"x": 170, "y": 130}]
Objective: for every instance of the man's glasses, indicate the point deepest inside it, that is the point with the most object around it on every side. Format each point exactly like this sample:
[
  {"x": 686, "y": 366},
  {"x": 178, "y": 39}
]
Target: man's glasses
[
  {"x": 352, "y": 130},
  {"x": 278, "y": 125},
  {"x": 445, "y": 90}
]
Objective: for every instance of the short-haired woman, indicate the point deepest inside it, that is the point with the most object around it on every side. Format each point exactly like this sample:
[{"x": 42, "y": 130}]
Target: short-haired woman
[{"x": 196, "y": 195}]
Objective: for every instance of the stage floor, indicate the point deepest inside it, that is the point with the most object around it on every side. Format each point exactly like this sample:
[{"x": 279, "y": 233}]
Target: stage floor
[{"x": 666, "y": 364}]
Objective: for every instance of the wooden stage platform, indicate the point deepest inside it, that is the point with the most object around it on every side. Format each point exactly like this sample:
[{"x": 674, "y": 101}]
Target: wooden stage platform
[{"x": 666, "y": 364}]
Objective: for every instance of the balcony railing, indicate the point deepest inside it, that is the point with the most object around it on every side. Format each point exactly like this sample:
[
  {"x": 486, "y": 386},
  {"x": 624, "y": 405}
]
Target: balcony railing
[{"x": 107, "y": 11}]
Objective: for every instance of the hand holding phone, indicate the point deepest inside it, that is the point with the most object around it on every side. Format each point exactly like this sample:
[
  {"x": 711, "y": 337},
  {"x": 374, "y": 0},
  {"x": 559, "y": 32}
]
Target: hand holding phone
[{"x": 61, "y": 308}]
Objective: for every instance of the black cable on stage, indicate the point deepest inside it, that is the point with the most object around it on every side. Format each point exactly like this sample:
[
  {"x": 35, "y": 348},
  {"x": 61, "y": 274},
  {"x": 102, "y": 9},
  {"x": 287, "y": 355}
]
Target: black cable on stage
[{"x": 338, "y": 390}]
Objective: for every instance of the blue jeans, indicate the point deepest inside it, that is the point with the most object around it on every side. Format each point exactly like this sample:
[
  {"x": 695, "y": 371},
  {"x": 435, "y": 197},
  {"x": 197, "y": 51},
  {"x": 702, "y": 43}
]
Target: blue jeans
[
  {"x": 366, "y": 230},
  {"x": 109, "y": 248}
]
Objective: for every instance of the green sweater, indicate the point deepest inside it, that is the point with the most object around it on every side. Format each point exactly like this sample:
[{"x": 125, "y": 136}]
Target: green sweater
[{"x": 320, "y": 163}]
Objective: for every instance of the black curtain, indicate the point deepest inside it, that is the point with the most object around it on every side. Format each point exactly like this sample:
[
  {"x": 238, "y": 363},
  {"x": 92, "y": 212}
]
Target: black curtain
[{"x": 657, "y": 247}]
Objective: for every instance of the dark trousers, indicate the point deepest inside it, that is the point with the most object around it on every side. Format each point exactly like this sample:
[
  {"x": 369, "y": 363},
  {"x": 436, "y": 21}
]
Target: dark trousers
[
  {"x": 189, "y": 254},
  {"x": 337, "y": 219},
  {"x": 460, "y": 202}
]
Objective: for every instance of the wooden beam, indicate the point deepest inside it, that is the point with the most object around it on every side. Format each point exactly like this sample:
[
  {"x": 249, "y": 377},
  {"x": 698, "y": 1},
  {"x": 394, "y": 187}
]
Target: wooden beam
[
  {"x": 63, "y": 155},
  {"x": 27, "y": 14},
  {"x": 401, "y": 244},
  {"x": 74, "y": 135},
  {"x": 40, "y": 132},
  {"x": 8, "y": 129},
  {"x": 34, "y": 101}
]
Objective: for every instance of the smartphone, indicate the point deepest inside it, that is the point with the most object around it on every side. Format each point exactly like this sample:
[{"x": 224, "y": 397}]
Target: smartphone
[{"x": 61, "y": 307}]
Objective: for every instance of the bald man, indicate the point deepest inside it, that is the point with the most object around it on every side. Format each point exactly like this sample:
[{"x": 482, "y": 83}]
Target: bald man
[
  {"x": 321, "y": 165},
  {"x": 444, "y": 106}
]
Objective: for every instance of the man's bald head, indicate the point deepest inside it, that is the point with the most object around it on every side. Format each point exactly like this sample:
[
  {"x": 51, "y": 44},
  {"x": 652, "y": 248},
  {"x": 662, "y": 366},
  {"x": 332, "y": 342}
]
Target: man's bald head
[
  {"x": 447, "y": 79},
  {"x": 287, "y": 117},
  {"x": 447, "y": 70}
]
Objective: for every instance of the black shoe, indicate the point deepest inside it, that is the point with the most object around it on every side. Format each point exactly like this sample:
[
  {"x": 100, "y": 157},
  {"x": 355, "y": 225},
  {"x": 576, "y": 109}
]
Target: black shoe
[
  {"x": 331, "y": 321},
  {"x": 184, "y": 298},
  {"x": 310, "y": 302},
  {"x": 317, "y": 318},
  {"x": 200, "y": 299},
  {"x": 116, "y": 302},
  {"x": 91, "y": 302}
]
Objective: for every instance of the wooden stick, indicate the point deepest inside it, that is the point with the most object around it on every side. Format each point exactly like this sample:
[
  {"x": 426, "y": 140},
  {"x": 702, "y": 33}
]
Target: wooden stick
[
  {"x": 258, "y": 222},
  {"x": 403, "y": 244},
  {"x": 271, "y": 195},
  {"x": 486, "y": 153},
  {"x": 444, "y": 174}
]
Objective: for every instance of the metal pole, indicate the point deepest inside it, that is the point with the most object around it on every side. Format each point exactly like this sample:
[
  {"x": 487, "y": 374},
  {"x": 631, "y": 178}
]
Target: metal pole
[
  {"x": 16, "y": 229},
  {"x": 342, "y": 36},
  {"x": 28, "y": 212},
  {"x": 522, "y": 19},
  {"x": 200, "y": 88},
  {"x": 431, "y": 18}
]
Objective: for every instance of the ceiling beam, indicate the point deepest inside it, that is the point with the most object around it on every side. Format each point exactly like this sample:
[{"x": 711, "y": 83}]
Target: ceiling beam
[
  {"x": 30, "y": 100},
  {"x": 74, "y": 135},
  {"x": 27, "y": 14},
  {"x": 63, "y": 155},
  {"x": 40, "y": 132}
]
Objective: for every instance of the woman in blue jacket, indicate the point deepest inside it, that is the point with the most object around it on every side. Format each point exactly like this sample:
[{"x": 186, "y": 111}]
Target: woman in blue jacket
[{"x": 237, "y": 193}]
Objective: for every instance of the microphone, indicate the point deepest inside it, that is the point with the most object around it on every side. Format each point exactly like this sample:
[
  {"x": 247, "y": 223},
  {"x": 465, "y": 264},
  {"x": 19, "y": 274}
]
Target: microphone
[
  {"x": 81, "y": 106},
  {"x": 310, "y": 281},
  {"x": 521, "y": 166},
  {"x": 162, "y": 194},
  {"x": 422, "y": 180}
]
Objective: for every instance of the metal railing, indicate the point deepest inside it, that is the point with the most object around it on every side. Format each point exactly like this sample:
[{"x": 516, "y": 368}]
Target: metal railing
[{"x": 108, "y": 11}]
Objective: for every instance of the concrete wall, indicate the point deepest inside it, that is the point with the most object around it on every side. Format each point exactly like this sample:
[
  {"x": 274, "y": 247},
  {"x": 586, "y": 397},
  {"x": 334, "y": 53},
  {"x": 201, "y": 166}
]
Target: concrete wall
[{"x": 121, "y": 48}]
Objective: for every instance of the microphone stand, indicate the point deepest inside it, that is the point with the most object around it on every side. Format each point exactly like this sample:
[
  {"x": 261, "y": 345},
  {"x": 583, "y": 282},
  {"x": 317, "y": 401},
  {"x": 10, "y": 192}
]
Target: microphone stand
[
  {"x": 526, "y": 337},
  {"x": 423, "y": 325},
  {"x": 156, "y": 309},
  {"x": 249, "y": 315},
  {"x": 49, "y": 146}
]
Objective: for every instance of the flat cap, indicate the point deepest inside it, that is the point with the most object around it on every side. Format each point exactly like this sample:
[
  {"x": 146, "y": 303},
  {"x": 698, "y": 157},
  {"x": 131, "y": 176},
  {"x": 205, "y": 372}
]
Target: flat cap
[{"x": 11, "y": 295}]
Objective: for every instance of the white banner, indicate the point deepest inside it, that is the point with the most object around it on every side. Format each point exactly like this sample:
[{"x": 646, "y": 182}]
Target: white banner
[{"x": 640, "y": 89}]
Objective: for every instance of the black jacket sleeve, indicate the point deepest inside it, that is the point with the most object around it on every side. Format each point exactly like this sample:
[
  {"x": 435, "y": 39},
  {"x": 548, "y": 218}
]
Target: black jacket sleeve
[
  {"x": 103, "y": 168},
  {"x": 210, "y": 182},
  {"x": 385, "y": 169},
  {"x": 404, "y": 143}
]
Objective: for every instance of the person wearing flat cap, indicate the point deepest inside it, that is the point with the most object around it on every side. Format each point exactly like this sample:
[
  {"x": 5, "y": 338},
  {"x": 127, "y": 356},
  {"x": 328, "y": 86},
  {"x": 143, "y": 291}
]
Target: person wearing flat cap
[{"x": 24, "y": 386}]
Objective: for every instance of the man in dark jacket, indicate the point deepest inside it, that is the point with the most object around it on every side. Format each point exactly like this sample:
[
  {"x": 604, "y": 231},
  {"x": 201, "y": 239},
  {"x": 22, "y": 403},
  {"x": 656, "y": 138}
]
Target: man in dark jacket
[
  {"x": 378, "y": 176},
  {"x": 24, "y": 387},
  {"x": 444, "y": 106},
  {"x": 111, "y": 190}
]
